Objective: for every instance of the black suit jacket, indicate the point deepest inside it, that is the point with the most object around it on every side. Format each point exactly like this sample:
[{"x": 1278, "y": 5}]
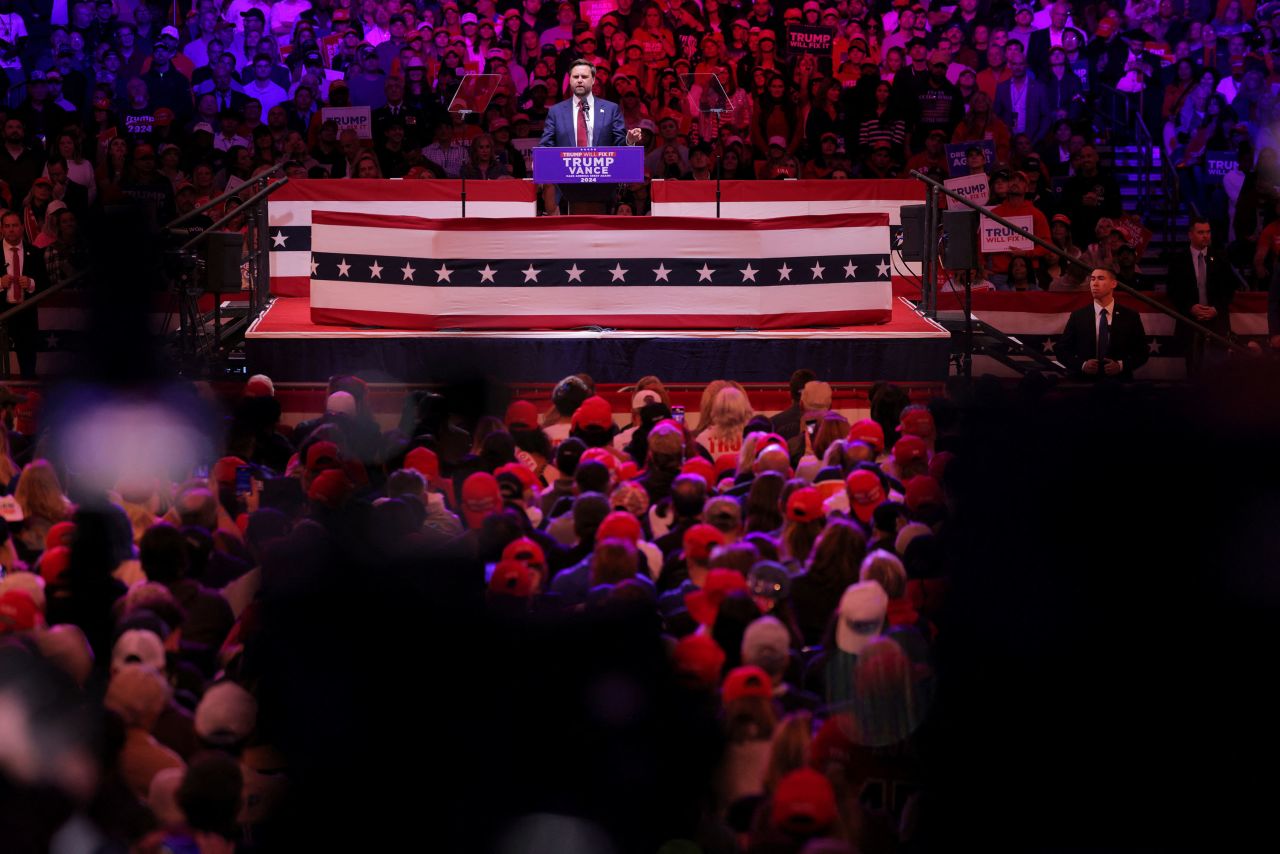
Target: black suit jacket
[
  {"x": 1220, "y": 286},
  {"x": 1079, "y": 341},
  {"x": 24, "y": 326}
]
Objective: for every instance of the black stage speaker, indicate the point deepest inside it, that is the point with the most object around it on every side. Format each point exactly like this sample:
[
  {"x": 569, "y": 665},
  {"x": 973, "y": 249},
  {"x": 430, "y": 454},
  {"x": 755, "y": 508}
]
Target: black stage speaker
[
  {"x": 912, "y": 232},
  {"x": 960, "y": 240},
  {"x": 225, "y": 251}
]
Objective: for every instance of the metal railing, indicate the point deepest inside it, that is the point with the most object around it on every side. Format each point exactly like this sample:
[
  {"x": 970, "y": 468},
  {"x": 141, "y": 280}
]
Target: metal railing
[
  {"x": 931, "y": 250},
  {"x": 1143, "y": 142},
  {"x": 257, "y": 245}
]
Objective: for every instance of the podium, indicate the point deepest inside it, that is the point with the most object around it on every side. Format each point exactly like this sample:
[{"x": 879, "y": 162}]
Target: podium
[{"x": 582, "y": 174}]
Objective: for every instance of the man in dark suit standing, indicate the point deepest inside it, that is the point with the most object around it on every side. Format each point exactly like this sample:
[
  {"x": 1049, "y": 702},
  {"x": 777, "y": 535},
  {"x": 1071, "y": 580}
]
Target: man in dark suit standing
[
  {"x": 1103, "y": 339},
  {"x": 23, "y": 276},
  {"x": 1023, "y": 103},
  {"x": 585, "y": 120},
  {"x": 1201, "y": 286}
]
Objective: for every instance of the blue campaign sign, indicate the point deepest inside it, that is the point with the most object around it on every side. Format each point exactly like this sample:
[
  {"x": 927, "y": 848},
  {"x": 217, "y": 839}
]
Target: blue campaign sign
[
  {"x": 621, "y": 165},
  {"x": 956, "y": 153}
]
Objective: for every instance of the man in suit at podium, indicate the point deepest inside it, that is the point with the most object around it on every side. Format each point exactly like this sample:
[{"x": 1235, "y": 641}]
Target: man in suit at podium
[
  {"x": 581, "y": 121},
  {"x": 1103, "y": 339}
]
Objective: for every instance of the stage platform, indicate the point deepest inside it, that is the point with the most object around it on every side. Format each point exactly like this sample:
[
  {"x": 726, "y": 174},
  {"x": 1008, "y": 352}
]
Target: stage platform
[{"x": 284, "y": 344}]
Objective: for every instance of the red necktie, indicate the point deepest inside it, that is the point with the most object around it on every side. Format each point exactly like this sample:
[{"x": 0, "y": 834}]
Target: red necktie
[
  {"x": 582, "y": 124},
  {"x": 15, "y": 270}
]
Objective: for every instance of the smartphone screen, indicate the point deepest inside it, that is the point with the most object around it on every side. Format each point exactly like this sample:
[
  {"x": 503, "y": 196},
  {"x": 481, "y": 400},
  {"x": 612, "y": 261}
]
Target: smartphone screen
[
  {"x": 677, "y": 413},
  {"x": 244, "y": 480}
]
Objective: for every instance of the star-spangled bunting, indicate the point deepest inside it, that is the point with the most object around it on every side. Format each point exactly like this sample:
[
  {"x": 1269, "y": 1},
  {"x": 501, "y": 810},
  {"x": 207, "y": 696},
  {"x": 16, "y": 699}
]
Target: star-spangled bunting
[
  {"x": 279, "y": 238},
  {"x": 632, "y": 272}
]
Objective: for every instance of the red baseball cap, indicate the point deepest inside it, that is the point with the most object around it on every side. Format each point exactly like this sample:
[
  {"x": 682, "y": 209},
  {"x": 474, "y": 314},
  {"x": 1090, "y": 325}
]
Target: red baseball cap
[
  {"x": 19, "y": 612},
  {"x": 917, "y": 422},
  {"x": 704, "y": 604},
  {"x": 726, "y": 464},
  {"x": 701, "y": 467},
  {"x": 481, "y": 496},
  {"x": 699, "y": 657},
  {"x": 527, "y": 551},
  {"x": 620, "y": 525},
  {"x": 599, "y": 455},
  {"x": 804, "y": 802},
  {"x": 805, "y": 505},
  {"x": 331, "y": 488},
  {"x": 748, "y": 681},
  {"x": 595, "y": 411},
  {"x": 513, "y": 578},
  {"x": 54, "y": 562},
  {"x": 522, "y": 414},
  {"x": 699, "y": 540},
  {"x": 866, "y": 493},
  {"x": 528, "y": 480},
  {"x": 424, "y": 461},
  {"x": 909, "y": 449},
  {"x": 868, "y": 431},
  {"x": 59, "y": 534},
  {"x": 321, "y": 452}
]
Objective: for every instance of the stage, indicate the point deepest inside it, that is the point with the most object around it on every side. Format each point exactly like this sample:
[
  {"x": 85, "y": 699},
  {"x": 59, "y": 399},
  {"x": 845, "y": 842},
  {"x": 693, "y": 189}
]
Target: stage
[{"x": 284, "y": 344}]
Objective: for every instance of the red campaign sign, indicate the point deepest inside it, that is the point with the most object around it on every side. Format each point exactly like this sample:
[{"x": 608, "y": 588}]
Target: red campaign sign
[
  {"x": 329, "y": 46},
  {"x": 815, "y": 40},
  {"x": 592, "y": 11}
]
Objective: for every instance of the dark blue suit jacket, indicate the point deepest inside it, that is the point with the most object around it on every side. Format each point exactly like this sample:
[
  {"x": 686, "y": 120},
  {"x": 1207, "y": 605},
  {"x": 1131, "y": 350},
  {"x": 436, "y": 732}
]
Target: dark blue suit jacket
[{"x": 561, "y": 128}]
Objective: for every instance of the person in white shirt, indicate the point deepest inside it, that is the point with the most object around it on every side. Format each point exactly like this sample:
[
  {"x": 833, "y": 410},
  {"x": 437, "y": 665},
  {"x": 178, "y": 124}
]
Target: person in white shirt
[
  {"x": 262, "y": 86},
  {"x": 197, "y": 50}
]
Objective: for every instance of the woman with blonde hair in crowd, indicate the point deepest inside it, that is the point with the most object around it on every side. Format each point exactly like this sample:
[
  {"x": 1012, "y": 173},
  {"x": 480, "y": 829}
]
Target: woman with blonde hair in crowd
[
  {"x": 729, "y": 412},
  {"x": 43, "y": 504}
]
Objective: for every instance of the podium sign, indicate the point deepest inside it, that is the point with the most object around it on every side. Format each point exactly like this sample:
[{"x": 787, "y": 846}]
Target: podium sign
[{"x": 622, "y": 164}]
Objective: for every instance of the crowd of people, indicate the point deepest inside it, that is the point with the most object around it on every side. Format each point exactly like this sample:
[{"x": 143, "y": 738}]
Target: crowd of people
[
  {"x": 791, "y": 567},
  {"x": 730, "y": 631},
  {"x": 165, "y": 108}
]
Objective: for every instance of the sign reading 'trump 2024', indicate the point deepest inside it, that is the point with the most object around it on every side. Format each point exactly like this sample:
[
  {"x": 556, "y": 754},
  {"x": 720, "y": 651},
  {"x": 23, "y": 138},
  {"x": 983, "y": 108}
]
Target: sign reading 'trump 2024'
[{"x": 619, "y": 165}]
